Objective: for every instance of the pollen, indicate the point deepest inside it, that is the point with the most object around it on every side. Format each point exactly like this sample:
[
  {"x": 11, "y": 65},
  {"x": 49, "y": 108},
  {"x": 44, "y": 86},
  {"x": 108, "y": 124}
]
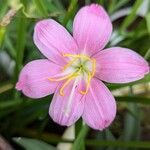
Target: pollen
[{"x": 80, "y": 66}]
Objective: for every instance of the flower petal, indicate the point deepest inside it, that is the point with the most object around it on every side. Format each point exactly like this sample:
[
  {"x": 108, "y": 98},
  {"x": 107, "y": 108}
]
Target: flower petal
[
  {"x": 92, "y": 28},
  {"x": 33, "y": 79},
  {"x": 53, "y": 40},
  {"x": 120, "y": 65},
  {"x": 66, "y": 110},
  {"x": 100, "y": 106}
]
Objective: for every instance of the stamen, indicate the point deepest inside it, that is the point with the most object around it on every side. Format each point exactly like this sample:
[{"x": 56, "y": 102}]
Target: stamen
[
  {"x": 62, "y": 78},
  {"x": 69, "y": 64},
  {"x": 90, "y": 75},
  {"x": 70, "y": 98},
  {"x": 65, "y": 84},
  {"x": 93, "y": 67},
  {"x": 76, "y": 56},
  {"x": 87, "y": 85},
  {"x": 76, "y": 71}
]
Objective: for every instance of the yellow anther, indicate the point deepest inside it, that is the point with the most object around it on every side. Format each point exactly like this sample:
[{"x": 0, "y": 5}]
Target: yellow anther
[
  {"x": 60, "y": 79},
  {"x": 93, "y": 67},
  {"x": 77, "y": 56},
  {"x": 78, "y": 71},
  {"x": 90, "y": 75},
  {"x": 69, "y": 64},
  {"x": 87, "y": 85},
  {"x": 65, "y": 84}
]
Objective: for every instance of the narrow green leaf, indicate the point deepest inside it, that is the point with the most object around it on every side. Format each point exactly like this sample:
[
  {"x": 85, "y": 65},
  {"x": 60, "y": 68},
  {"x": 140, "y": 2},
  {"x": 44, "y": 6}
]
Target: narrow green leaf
[
  {"x": 33, "y": 144},
  {"x": 100, "y": 2},
  {"x": 70, "y": 11},
  {"x": 41, "y": 7},
  {"x": 148, "y": 22},
  {"x": 81, "y": 137},
  {"x": 6, "y": 87},
  {"x": 117, "y": 86},
  {"x": 10, "y": 47},
  {"x": 3, "y": 8},
  {"x": 2, "y": 34},
  {"x": 11, "y": 103},
  {"x": 130, "y": 18},
  {"x": 94, "y": 143},
  {"x": 132, "y": 123},
  {"x": 78, "y": 127},
  {"x": 59, "y": 4},
  {"x": 123, "y": 144},
  {"x": 133, "y": 99},
  {"x": 20, "y": 46},
  {"x": 120, "y": 4},
  {"x": 147, "y": 55},
  {"x": 112, "y": 6}
]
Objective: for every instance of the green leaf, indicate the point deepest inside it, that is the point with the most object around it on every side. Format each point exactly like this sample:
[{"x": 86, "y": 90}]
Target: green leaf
[
  {"x": 132, "y": 129},
  {"x": 100, "y": 2},
  {"x": 10, "y": 103},
  {"x": 3, "y": 8},
  {"x": 123, "y": 144},
  {"x": 70, "y": 11},
  {"x": 133, "y": 99},
  {"x": 78, "y": 127},
  {"x": 148, "y": 22},
  {"x": 121, "y": 3},
  {"x": 41, "y": 7},
  {"x": 94, "y": 143},
  {"x": 130, "y": 18},
  {"x": 2, "y": 34},
  {"x": 20, "y": 46},
  {"x": 78, "y": 143},
  {"x": 117, "y": 86},
  {"x": 6, "y": 87},
  {"x": 10, "y": 47},
  {"x": 147, "y": 55},
  {"x": 33, "y": 144}
]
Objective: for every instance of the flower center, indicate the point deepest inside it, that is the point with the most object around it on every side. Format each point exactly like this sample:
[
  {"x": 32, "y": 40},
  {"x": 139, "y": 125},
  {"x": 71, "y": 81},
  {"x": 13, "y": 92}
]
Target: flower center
[{"x": 80, "y": 67}]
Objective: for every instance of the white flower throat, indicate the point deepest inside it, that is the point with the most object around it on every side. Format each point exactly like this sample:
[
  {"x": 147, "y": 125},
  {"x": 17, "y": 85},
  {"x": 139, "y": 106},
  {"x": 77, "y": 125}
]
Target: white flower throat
[{"x": 79, "y": 66}]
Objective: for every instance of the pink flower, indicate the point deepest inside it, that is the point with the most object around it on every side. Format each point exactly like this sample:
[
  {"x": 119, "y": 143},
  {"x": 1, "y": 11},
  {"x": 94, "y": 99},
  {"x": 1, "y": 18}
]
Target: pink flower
[{"x": 76, "y": 66}]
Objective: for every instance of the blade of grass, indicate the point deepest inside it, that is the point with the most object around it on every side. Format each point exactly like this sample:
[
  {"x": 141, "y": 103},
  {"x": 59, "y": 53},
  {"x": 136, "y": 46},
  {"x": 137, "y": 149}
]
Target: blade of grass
[
  {"x": 2, "y": 35},
  {"x": 6, "y": 87},
  {"x": 129, "y": 144},
  {"x": 3, "y": 8},
  {"x": 148, "y": 22},
  {"x": 32, "y": 144},
  {"x": 78, "y": 127},
  {"x": 100, "y": 2},
  {"x": 41, "y": 7},
  {"x": 130, "y": 18},
  {"x": 147, "y": 55},
  {"x": 20, "y": 45},
  {"x": 78, "y": 143},
  {"x": 95, "y": 143},
  {"x": 112, "y": 5},
  {"x": 133, "y": 99},
  {"x": 132, "y": 123},
  {"x": 11, "y": 103},
  {"x": 59, "y": 4},
  {"x": 10, "y": 47},
  {"x": 131, "y": 129},
  {"x": 117, "y": 86},
  {"x": 120, "y": 4},
  {"x": 70, "y": 12}
]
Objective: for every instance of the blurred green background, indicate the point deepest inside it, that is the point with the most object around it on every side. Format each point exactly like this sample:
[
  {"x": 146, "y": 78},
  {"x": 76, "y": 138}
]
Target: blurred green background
[{"x": 25, "y": 123}]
